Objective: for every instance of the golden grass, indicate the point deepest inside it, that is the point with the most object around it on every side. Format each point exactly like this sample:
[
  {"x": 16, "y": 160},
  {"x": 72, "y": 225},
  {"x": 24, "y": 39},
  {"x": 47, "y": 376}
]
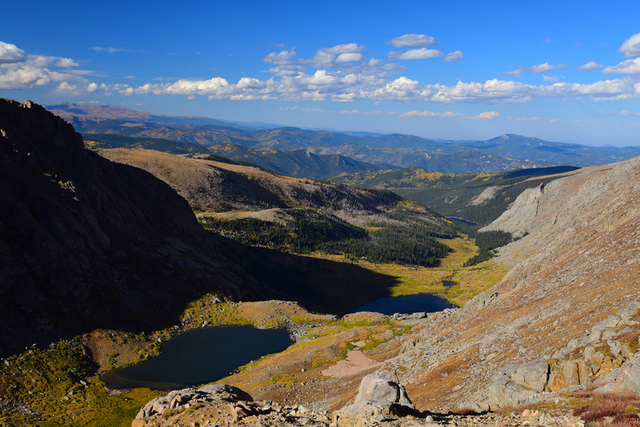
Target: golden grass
[{"x": 470, "y": 281}]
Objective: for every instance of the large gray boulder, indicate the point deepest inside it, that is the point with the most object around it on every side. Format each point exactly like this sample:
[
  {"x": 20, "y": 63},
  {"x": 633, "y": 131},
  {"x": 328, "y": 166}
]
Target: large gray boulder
[
  {"x": 380, "y": 396},
  {"x": 385, "y": 386},
  {"x": 514, "y": 385},
  {"x": 624, "y": 379},
  {"x": 178, "y": 399}
]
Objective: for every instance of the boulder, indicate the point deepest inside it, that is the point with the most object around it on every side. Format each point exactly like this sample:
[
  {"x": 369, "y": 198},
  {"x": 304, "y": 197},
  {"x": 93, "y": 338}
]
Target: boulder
[
  {"x": 380, "y": 396},
  {"x": 624, "y": 379},
  {"x": 514, "y": 385},
  {"x": 383, "y": 385},
  {"x": 178, "y": 400}
]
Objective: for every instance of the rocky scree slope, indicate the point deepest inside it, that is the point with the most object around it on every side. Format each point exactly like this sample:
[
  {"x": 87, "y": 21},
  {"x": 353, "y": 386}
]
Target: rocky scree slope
[
  {"x": 88, "y": 243},
  {"x": 565, "y": 316}
]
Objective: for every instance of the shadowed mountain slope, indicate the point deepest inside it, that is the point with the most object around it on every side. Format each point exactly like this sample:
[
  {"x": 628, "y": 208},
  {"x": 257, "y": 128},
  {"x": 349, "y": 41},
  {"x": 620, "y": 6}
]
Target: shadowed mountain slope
[{"x": 86, "y": 243}]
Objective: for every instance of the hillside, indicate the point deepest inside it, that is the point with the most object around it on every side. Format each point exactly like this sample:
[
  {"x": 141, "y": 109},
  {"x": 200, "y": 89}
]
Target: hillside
[
  {"x": 570, "y": 297},
  {"x": 478, "y": 198},
  {"x": 260, "y": 208},
  {"x": 298, "y": 163}
]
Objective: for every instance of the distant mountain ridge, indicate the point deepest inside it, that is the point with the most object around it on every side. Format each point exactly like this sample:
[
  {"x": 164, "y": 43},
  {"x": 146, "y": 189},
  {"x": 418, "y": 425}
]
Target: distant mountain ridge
[
  {"x": 299, "y": 163},
  {"x": 498, "y": 154}
]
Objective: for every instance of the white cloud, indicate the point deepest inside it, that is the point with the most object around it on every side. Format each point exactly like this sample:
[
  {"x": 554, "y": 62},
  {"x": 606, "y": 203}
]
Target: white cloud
[
  {"x": 444, "y": 114},
  {"x": 487, "y": 115},
  {"x": 10, "y": 53},
  {"x": 518, "y": 72},
  {"x": 282, "y": 57},
  {"x": 527, "y": 119},
  {"x": 413, "y": 41},
  {"x": 549, "y": 78},
  {"x": 543, "y": 68},
  {"x": 632, "y": 66},
  {"x": 534, "y": 69},
  {"x": 363, "y": 113},
  {"x": 590, "y": 66},
  {"x": 344, "y": 48},
  {"x": 110, "y": 49},
  {"x": 423, "y": 53},
  {"x": 66, "y": 63},
  {"x": 19, "y": 70},
  {"x": 349, "y": 57},
  {"x": 68, "y": 89},
  {"x": 454, "y": 56},
  {"x": 631, "y": 46}
]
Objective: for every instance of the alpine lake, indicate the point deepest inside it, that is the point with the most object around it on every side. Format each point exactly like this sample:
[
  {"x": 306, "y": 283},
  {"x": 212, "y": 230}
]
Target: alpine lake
[{"x": 204, "y": 355}]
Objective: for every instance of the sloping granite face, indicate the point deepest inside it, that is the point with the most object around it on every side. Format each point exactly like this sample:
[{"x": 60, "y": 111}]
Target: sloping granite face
[{"x": 88, "y": 243}]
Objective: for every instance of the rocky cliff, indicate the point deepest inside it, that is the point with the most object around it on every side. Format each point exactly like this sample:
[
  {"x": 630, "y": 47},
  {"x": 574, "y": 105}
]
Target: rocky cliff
[
  {"x": 566, "y": 315},
  {"x": 87, "y": 243}
]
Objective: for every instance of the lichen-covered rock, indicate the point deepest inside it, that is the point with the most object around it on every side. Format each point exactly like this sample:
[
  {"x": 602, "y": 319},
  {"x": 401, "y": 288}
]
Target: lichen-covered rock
[
  {"x": 514, "y": 385},
  {"x": 383, "y": 385},
  {"x": 623, "y": 379},
  {"x": 180, "y": 400},
  {"x": 380, "y": 395}
]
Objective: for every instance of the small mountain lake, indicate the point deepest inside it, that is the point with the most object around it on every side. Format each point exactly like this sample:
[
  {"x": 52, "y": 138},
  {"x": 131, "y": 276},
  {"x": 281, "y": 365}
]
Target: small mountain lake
[
  {"x": 406, "y": 304},
  {"x": 462, "y": 221},
  {"x": 199, "y": 356}
]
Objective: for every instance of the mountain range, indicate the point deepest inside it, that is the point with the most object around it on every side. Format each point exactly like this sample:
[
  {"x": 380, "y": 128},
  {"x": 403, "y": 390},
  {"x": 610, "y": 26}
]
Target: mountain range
[{"x": 502, "y": 153}]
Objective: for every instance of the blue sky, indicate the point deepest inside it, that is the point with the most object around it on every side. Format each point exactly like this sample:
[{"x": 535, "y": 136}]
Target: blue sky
[{"x": 558, "y": 70}]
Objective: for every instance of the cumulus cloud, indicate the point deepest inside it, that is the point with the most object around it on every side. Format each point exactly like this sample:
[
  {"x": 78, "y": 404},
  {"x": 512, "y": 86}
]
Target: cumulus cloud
[
  {"x": 454, "y": 56},
  {"x": 66, "y": 63},
  {"x": 350, "y": 57},
  {"x": 422, "y": 53},
  {"x": 632, "y": 66},
  {"x": 590, "y": 66},
  {"x": 631, "y": 46},
  {"x": 543, "y": 68},
  {"x": 19, "y": 70},
  {"x": 534, "y": 69},
  {"x": 66, "y": 88},
  {"x": 10, "y": 53},
  {"x": 413, "y": 41},
  {"x": 487, "y": 115},
  {"x": 444, "y": 114},
  {"x": 343, "y": 73}
]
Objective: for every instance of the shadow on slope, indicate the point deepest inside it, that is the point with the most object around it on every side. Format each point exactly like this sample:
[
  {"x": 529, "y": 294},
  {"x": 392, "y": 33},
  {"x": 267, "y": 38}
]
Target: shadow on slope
[{"x": 86, "y": 243}]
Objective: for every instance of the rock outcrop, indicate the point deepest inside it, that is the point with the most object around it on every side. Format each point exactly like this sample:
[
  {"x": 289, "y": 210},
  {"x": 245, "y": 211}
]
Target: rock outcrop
[{"x": 566, "y": 306}]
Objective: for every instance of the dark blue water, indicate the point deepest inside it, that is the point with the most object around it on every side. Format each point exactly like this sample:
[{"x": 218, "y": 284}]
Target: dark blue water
[
  {"x": 200, "y": 356},
  {"x": 462, "y": 221},
  {"x": 406, "y": 304}
]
